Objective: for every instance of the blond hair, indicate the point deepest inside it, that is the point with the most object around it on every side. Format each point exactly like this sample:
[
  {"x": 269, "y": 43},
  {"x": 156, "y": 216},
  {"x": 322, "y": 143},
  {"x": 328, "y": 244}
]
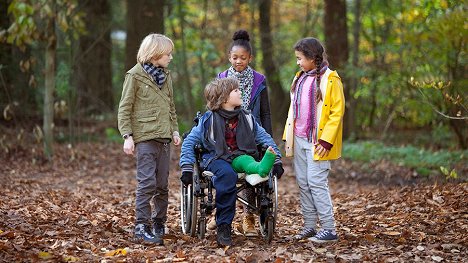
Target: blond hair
[
  {"x": 154, "y": 46},
  {"x": 217, "y": 92}
]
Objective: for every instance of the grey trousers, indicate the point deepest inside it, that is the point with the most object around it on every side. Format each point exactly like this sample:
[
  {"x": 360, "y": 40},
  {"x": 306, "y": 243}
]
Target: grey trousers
[
  {"x": 152, "y": 176},
  {"x": 312, "y": 179}
]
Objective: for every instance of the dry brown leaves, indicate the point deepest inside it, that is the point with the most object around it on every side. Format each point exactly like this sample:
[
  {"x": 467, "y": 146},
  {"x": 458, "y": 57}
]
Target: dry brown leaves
[{"x": 81, "y": 209}]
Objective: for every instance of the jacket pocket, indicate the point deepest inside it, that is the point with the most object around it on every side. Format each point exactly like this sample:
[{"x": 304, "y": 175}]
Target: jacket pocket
[
  {"x": 146, "y": 122},
  {"x": 148, "y": 119}
]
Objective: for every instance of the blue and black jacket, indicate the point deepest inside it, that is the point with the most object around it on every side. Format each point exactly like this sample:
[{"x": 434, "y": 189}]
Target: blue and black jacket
[{"x": 203, "y": 134}]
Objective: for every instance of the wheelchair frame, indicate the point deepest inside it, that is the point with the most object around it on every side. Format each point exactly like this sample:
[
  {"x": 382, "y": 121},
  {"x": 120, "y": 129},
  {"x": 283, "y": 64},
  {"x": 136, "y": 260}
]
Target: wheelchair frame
[{"x": 197, "y": 200}]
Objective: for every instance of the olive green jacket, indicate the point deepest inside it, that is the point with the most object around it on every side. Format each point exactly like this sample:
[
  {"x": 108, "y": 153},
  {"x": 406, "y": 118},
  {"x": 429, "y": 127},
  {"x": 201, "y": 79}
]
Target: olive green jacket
[{"x": 146, "y": 110}]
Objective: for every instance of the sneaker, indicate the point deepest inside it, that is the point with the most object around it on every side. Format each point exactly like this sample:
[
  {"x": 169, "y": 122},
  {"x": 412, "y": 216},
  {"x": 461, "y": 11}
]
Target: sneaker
[
  {"x": 305, "y": 233},
  {"x": 143, "y": 234},
  {"x": 158, "y": 232},
  {"x": 324, "y": 236},
  {"x": 248, "y": 225},
  {"x": 224, "y": 235}
]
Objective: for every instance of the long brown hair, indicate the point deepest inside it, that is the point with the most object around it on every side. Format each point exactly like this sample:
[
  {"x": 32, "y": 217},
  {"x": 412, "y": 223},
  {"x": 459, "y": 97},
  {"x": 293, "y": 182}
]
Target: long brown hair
[{"x": 312, "y": 49}]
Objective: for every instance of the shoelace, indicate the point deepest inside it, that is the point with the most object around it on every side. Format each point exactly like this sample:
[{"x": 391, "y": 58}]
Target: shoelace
[
  {"x": 306, "y": 232},
  {"x": 323, "y": 233},
  {"x": 148, "y": 231}
]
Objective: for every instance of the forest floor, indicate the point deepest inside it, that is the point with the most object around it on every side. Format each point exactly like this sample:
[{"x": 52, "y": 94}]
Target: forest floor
[{"x": 81, "y": 208}]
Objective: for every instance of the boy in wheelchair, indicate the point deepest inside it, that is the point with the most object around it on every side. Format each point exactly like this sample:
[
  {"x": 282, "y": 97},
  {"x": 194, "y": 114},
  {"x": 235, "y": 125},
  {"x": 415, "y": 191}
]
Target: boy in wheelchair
[{"x": 226, "y": 132}]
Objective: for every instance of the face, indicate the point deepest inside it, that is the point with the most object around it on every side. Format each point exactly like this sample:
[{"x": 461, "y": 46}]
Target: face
[
  {"x": 234, "y": 99},
  {"x": 162, "y": 61},
  {"x": 239, "y": 58},
  {"x": 304, "y": 63}
]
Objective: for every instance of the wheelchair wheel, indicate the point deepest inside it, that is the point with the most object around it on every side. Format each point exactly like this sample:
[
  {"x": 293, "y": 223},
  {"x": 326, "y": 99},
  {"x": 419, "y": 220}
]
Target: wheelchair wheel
[
  {"x": 186, "y": 207},
  {"x": 268, "y": 216},
  {"x": 188, "y": 210},
  {"x": 194, "y": 208}
]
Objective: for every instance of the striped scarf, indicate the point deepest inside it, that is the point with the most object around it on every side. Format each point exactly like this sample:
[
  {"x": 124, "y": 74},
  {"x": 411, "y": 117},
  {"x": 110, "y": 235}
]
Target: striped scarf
[
  {"x": 246, "y": 80},
  {"x": 157, "y": 73},
  {"x": 312, "y": 117}
]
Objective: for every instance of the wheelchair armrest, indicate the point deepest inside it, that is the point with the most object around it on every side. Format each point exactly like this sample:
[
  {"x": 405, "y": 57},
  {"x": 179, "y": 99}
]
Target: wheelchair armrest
[{"x": 199, "y": 149}]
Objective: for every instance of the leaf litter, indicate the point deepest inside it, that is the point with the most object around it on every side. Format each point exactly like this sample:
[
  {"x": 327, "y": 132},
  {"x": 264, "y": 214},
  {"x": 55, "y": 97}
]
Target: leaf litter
[{"x": 80, "y": 208}]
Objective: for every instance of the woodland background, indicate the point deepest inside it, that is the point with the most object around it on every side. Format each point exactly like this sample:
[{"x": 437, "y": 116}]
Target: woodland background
[{"x": 404, "y": 68}]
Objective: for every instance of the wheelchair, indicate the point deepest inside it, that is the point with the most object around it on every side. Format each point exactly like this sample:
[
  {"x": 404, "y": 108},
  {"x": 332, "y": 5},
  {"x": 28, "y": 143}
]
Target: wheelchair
[{"x": 197, "y": 200}]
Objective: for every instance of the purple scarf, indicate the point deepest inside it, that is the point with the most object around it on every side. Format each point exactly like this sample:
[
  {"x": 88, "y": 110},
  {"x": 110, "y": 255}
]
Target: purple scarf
[{"x": 312, "y": 117}]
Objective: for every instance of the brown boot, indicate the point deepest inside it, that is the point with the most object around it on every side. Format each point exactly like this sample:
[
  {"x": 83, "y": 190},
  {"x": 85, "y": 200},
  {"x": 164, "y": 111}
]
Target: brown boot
[
  {"x": 211, "y": 223},
  {"x": 248, "y": 225}
]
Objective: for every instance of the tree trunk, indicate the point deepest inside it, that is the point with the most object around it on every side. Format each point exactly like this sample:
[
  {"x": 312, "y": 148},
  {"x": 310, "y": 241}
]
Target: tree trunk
[
  {"x": 186, "y": 73},
  {"x": 349, "y": 121},
  {"x": 336, "y": 32},
  {"x": 336, "y": 40},
  {"x": 203, "y": 38},
  {"x": 93, "y": 61},
  {"x": 276, "y": 92},
  {"x": 50, "y": 54},
  {"x": 252, "y": 30},
  {"x": 143, "y": 17}
]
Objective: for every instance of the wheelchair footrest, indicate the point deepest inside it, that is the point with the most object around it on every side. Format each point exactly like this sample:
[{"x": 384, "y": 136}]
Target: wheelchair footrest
[{"x": 254, "y": 179}]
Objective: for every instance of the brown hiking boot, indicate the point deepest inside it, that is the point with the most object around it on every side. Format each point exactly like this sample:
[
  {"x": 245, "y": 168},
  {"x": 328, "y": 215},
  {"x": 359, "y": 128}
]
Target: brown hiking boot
[
  {"x": 248, "y": 225},
  {"x": 211, "y": 223}
]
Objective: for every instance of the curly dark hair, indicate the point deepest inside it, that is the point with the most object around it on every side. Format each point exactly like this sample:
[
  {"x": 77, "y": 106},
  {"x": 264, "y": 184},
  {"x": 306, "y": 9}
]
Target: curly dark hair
[{"x": 241, "y": 38}]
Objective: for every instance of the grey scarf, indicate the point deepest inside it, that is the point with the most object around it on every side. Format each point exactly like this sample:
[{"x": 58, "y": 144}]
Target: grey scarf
[{"x": 246, "y": 81}]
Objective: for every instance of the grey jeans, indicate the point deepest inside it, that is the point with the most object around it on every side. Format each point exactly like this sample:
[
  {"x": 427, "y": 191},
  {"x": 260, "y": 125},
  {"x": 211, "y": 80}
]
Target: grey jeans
[
  {"x": 312, "y": 179},
  {"x": 152, "y": 176}
]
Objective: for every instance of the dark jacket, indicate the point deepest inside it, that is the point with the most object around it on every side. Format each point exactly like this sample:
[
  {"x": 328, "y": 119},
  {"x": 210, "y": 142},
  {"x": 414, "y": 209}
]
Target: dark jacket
[{"x": 202, "y": 134}]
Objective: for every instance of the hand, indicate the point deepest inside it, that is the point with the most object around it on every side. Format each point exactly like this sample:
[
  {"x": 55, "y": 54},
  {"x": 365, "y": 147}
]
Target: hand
[
  {"x": 129, "y": 146},
  {"x": 187, "y": 178},
  {"x": 321, "y": 151},
  {"x": 176, "y": 140},
  {"x": 278, "y": 170}
]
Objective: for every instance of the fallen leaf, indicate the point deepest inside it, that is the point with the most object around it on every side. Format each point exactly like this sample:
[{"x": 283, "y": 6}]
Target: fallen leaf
[
  {"x": 437, "y": 258},
  {"x": 319, "y": 250},
  {"x": 180, "y": 254},
  {"x": 44, "y": 255},
  {"x": 116, "y": 252},
  {"x": 70, "y": 259},
  {"x": 391, "y": 233}
]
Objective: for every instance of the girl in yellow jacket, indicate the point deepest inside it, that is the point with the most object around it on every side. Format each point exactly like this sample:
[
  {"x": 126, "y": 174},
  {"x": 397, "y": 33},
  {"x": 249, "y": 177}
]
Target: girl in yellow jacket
[{"x": 313, "y": 135}]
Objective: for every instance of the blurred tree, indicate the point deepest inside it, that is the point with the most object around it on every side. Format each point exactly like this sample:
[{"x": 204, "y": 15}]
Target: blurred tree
[
  {"x": 186, "y": 73},
  {"x": 351, "y": 74},
  {"x": 276, "y": 92},
  {"x": 336, "y": 42},
  {"x": 92, "y": 63},
  {"x": 143, "y": 17},
  {"x": 17, "y": 99},
  {"x": 35, "y": 23},
  {"x": 441, "y": 68}
]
